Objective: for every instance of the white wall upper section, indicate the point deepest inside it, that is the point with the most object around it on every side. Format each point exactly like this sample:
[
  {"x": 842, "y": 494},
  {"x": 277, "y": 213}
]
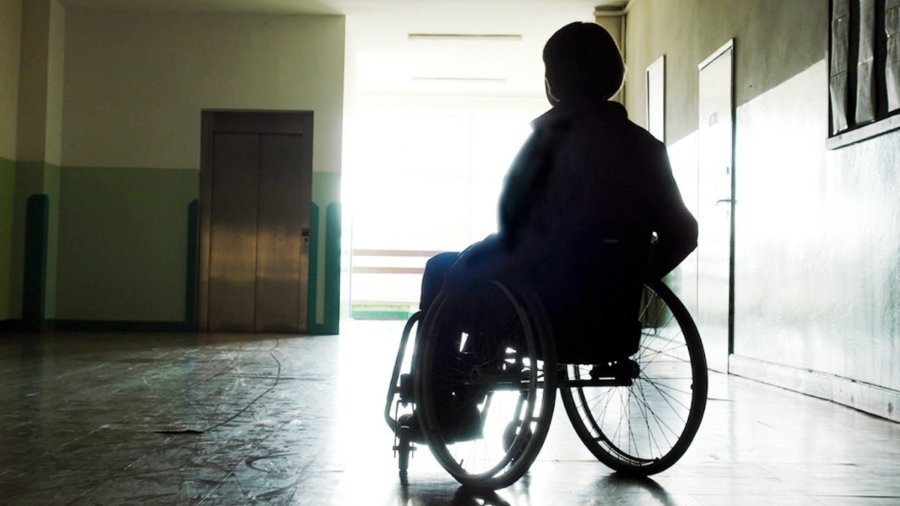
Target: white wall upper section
[
  {"x": 136, "y": 83},
  {"x": 56, "y": 56},
  {"x": 10, "y": 35}
]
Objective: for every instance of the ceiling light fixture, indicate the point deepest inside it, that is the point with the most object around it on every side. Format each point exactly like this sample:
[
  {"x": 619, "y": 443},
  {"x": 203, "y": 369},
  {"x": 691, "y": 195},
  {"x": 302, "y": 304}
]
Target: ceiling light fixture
[
  {"x": 484, "y": 80},
  {"x": 498, "y": 37}
]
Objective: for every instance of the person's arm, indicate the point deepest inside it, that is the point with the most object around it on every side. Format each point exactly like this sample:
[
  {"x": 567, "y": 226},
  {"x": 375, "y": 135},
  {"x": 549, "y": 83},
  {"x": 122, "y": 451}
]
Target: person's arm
[
  {"x": 526, "y": 175},
  {"x": 675, "y": 226}
]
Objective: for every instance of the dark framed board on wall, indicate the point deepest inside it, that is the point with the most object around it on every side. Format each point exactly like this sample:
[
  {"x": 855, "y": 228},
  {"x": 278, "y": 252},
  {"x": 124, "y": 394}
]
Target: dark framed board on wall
[{"x": 863, "y": 70}]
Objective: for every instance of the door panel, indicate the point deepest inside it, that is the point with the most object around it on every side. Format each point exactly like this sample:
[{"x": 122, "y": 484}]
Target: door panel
[
  {"x": 233, "y": 218},
  {"x": 283, "y": 215},
  {"x": 715, "y": 207}
]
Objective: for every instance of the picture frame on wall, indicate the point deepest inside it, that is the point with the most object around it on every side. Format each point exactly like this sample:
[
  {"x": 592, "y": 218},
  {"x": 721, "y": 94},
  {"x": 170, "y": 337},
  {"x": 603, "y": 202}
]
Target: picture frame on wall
[{"x": 863, "y": 70}]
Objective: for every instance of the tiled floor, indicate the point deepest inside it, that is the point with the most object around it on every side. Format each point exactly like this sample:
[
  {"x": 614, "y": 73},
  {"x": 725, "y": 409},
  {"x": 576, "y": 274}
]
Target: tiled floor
[{"x": 237, "y": 419}]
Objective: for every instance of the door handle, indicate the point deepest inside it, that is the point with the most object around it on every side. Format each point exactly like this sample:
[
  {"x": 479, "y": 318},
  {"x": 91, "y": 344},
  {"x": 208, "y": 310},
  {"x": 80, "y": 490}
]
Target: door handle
[{"x": 724, "y": 201}]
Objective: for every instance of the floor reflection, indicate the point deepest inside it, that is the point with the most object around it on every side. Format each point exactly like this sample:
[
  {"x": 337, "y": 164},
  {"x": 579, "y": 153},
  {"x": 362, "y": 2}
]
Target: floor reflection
[
  {"x": 468, "y": 496},
  {"x": 610, "y": 489},
  {"x": 239, "y": 419}
]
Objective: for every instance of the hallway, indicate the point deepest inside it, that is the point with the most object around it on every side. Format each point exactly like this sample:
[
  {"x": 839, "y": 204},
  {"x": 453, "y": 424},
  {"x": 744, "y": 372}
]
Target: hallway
[{"x": 234, "y": 419}]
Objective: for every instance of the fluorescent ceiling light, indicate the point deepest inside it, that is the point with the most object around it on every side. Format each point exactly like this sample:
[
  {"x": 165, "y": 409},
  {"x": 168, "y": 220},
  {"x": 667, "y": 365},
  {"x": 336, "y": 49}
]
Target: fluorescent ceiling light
[
  {"x": 500, "y": 37},
  {"x": 486, "y": 80}
]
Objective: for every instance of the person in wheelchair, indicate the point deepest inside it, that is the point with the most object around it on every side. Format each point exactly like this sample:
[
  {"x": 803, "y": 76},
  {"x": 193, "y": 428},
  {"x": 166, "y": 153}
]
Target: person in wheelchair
[{"x": 588, "y": 212}]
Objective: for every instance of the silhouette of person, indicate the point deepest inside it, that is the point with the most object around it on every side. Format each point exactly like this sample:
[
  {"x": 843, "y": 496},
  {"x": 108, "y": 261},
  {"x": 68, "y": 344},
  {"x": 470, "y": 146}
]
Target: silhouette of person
[{"x": 589, "y": 208}]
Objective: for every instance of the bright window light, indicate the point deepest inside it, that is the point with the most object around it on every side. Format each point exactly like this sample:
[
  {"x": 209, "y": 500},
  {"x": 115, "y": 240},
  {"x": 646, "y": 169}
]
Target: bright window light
[{"x": 425, "y": 180}]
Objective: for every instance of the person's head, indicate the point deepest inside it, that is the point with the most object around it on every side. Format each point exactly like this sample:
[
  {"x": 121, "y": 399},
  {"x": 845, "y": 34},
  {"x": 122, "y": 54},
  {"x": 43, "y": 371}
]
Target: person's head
[{"x": 582, "y": 60}]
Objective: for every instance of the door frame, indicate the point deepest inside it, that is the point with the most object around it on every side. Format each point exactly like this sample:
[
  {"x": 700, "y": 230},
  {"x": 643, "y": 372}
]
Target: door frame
[
  {"x": 727, "y": 47},
  {"x": 234, "y": 121}
]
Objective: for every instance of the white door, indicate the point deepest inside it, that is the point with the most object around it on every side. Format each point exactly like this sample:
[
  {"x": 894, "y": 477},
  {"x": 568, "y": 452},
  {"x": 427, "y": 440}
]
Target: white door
[{"x": 716, "y": 206}]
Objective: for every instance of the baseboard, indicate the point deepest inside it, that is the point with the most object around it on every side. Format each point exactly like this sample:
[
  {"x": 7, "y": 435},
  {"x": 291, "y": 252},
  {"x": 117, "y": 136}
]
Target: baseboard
[
  {"x": 21, "y": 325},
  {"x": 873, "y": 399},
  {"x": 132, "y": 326},
  {"x": 10, "y": 325},
  {"x": 123, "y": 326}
]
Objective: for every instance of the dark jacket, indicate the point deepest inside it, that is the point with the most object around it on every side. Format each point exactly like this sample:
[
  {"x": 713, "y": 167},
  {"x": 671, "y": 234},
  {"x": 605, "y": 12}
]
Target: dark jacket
[
  {"x": 587, "y": 176},
  {"x": 583, "y": 200}
]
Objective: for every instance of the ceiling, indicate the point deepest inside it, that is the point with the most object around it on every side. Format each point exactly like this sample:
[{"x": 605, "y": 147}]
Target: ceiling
[
  {"x": 344, "y": 7},
  {"x": 382, "y": 56}
]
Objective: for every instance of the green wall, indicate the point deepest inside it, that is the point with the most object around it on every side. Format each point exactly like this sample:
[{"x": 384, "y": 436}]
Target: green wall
[
  {"x": 123, "y": 243},
  {"x": 123, "y": 246},
  {"x": 7, "y": 194}
]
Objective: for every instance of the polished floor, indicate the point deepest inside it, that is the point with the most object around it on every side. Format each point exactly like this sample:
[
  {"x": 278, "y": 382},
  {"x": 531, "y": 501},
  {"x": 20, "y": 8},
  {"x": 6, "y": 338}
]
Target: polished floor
[{"x": 110, "y": 418}]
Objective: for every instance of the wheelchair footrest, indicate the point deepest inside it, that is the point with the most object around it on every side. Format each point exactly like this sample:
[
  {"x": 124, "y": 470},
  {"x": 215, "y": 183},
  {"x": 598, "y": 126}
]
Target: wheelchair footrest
[{"x": 623, "y": 371}]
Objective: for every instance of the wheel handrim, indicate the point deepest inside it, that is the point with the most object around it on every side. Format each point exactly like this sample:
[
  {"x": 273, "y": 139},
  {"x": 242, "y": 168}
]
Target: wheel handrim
[
  {"x": 516, "y": 384},
  {"x": 647, "y": 426}
]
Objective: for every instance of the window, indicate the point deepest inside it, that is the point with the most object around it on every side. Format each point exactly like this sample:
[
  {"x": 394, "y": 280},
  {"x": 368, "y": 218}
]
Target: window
[{"x": 864, "y": 69}]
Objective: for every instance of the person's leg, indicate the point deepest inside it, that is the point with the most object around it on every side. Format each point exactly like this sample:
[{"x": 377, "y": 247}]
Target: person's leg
[
  {"x": 457, "y": 422},
  {"x": 436, "y": 270}
]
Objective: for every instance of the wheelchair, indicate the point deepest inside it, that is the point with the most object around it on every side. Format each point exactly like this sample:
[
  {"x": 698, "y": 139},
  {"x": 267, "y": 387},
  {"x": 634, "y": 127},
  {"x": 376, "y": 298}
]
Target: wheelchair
[{"x": 481, "y": 378}]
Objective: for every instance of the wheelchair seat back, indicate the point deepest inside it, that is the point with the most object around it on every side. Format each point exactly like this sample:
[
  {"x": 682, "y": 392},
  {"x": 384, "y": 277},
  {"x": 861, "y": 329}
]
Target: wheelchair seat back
[{"x": 593, "y": 301}]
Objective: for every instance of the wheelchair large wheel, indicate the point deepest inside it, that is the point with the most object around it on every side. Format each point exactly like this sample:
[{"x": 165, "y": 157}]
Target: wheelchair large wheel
[
  {"x": 485, "y": 383},
  {"x": 640, "y": 416}
]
